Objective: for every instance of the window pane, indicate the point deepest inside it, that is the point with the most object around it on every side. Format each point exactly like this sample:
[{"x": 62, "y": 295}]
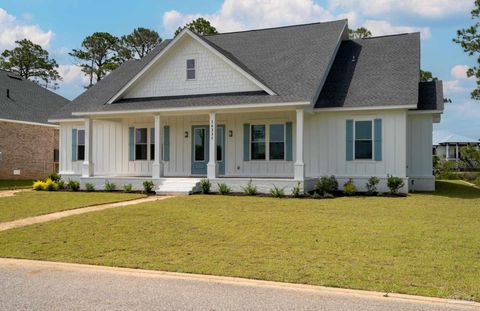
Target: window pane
[
  {"x": 277, "y": 133},
  {"x": 152, "y": 135},
  {"x": 141, "y": 152},
  {"x": 277, "y": 151},
  {"x": 258, "y": 133},
  {"x": 199, "y": 139},
  {"x": 152, "y": 151},
  {"x": 258, "y": 151},
  {"x": 81, "y": 137},
  {"x": 363, "y": 149},
  {"x": 219, "y": 143},
  {"x": 80, "y": 152},
  {"x": 190, "y": 64},
  {"x": 191, "y": 74},
  {"x": 363, "y": 130},
  {"x": 141, "y": 136}
]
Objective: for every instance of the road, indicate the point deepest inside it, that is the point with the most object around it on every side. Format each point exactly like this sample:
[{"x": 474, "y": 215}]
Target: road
[{"x": 32, "y": 285}]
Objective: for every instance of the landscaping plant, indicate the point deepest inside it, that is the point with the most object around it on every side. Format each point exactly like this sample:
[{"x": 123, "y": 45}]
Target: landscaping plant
[
  {"x": 326, "y": 185},
  {"x": 205, "y": 186},
  {"x": 39, "y": 185},
  {"x": 250, "y": 189},
  {"x": 110, "y": 186},
  {"x": 89, "y": 187},
  {"x": 224, "y": 189},
  {"x": 277, "y": 192},
  {"x": 349, "y": 188},
  {"x": 296, "y": 190},
  {"x": 73, "y": 185},
  {"x": 372, "y": 185},
  {"x": 50, "y": 185},
  {"x": 148, "y": 186},
  {"x": 394, "y": 184},
  {"x": 55, "y": 177},
  {"x": 127, "y": 188}
]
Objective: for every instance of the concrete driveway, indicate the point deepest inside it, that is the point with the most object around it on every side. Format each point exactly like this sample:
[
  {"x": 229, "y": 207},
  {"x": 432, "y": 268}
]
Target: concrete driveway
[{"x": 33, "y": 285}]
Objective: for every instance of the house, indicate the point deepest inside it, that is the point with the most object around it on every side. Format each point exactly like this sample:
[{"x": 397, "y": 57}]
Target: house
[
  {"x": 447, "y": 145},
  {"x": 280, "y": 106},
  {"x": 28, "y": 143}
]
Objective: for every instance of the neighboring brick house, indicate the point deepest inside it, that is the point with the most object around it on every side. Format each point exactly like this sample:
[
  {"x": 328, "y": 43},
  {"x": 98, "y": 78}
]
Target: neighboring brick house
[{"x": 28, "y": 143}]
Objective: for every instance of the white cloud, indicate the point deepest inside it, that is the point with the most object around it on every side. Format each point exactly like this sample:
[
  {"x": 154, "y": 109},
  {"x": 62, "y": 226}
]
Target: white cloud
[
  {"x": 11, "y": 30},
  {"x": 459, "y": 72},
  {"x": 381, "y": 28},
  {"x": 453, "y": 86},
  {"x": 72, "y": 74},
  {"x": 469, "y": 108},
  {"x": 423, "y": 8}
]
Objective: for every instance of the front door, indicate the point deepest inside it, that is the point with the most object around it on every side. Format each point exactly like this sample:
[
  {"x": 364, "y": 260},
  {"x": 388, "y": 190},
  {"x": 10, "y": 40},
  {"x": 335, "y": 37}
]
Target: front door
[{"x": 200, "y": 149}]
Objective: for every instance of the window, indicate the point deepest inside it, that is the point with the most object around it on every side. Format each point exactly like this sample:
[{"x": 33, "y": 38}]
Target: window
[
  {"x": 277, "y": 142},
  {"x": 141, "y": 144},
  {"x": 152, "y": 144},
  {"x": 258, "y": 142},
  {"x": 81, "y": 145},
  {"x": 190, "y": 69},
  {"x": 363, "y": 140}
]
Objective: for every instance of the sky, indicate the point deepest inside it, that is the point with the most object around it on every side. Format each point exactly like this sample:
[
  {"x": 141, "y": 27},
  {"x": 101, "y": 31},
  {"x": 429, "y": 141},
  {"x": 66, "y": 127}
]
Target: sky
[{"x": 60, "y": 26}]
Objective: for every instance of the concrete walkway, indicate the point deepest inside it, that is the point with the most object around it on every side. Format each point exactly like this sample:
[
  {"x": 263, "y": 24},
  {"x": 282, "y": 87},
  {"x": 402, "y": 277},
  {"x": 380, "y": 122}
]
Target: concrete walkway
[
  {"x": 11, "y": 193},
  {"x": 94, "y": 208},
  {"x": 40, "y": 285}
]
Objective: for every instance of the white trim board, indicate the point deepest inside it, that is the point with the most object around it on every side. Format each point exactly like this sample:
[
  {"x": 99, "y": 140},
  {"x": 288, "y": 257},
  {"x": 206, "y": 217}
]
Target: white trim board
[
  {"x": 365, "y": 108},
  {"x": 30, "y": 123}
]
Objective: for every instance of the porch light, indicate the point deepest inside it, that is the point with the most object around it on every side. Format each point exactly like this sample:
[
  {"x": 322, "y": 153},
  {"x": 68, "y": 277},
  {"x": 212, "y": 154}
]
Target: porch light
[
  {"x": 186, "y": 134},
  {"x": 230, "y": 133}
]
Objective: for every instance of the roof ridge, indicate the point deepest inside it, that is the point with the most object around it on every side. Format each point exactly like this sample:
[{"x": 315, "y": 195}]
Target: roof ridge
[
  {"x": 277, "y": 27},
  {"x": 386, "y": 36}
]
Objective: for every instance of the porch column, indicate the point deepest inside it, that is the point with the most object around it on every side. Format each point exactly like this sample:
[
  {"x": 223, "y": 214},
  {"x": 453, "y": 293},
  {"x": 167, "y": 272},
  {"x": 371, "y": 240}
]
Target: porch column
[
  {"x": 456, "y": 151},
  {"x": 157, "y": 166},
  {"x": 212, "y": 159},
  {"x": 299, "y": 166},
  {"x": 87, "y": 167}
]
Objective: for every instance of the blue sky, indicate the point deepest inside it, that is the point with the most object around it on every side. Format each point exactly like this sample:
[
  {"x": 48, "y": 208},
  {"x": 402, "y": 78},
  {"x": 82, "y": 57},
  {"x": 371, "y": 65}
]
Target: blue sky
[{"x": 60, "y": 26}]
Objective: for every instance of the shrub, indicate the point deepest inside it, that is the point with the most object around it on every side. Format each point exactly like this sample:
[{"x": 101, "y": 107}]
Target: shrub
[
  {"x": 224, "y": 189},
  {"x": 61, "y": 184},
  {"x": 394, "y": 184},
  {"x": 55, "y": 177},
  {"x": 326, "y": 185},
  {"x": 127, "y": 188},
  {"x": 296, "y": 190},
  {"x": 50, "y": 185},
  {"x": 73, "y": 185},
  {"x": 446, "y": 170},
  {"x": 372, "y": 185},
  {"x": 250, "y": 189},
  {"x": 277, "y": 192},
  {"x": 349, "y": 188},
  {"x": 89, "y": 187},
  {"x": 477, "y": 181},
  {"x": 205, "y": 186},
  {"x": 39, "y": 185},
  {"x": 148, "y": 186},
  {"x": 110, "y": 186}
]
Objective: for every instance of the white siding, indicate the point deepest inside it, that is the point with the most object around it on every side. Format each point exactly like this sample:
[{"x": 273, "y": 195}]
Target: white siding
[
  {"x": 168, "y": 76},
  {"x": 419, "y": 139}
]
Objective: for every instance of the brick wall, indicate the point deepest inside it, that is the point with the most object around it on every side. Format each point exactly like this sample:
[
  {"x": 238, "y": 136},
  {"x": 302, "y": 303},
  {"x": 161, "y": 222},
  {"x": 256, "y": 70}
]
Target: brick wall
[{"x": 28, "y": 148}]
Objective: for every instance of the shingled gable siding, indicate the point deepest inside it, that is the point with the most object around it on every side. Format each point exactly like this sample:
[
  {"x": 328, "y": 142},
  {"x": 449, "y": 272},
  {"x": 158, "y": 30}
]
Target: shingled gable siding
[
  {"x": 28, "y": 148},
  {"x": 168, "y": 77}
]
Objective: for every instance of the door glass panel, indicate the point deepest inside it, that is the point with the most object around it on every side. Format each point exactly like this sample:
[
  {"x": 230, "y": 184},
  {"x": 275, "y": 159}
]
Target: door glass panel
[
  {"x": 199, "y": 139},
  {"x": 219, "y": 143}
]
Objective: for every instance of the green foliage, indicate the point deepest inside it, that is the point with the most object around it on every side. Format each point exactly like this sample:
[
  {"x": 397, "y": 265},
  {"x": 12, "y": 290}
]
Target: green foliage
[
  {"x": 250, "y": 189},
  {"x": 446, "y": 170},
  {"x": 427, "y": 76},
  {"x": 359, "y": 33},
  {"x": 148, "y": 186},
  {"x": 477, "y": 181},
  {"x": 349, "y": 188},
  {"x": 205, "y": 186},
  {"x": 326, "y": 185},
  {"x": 73, "y": 185},
  {"x": 127, "y": 188},
  {"x": 50, "y": 185},
  {"x": 89, "y": 187},
  {"x": 31, "y": 61},
  {"x": 372, "y": 185},
  {"x": 138, "y": 43},
  {"x": 200, "y": 26},
  {"x": 110, "y": 186},
  {"x": 61, "y": 184},
  {"x": 297, "y": 190},
  {"x": 39, "y": 185},
  {"x": 394, "y": 184},
  {"x": 277, "y": 192},
  {"x": 55, "y": 177},
  {"x": 470, "y": 157},
  {"x": 224, "y": 189}
]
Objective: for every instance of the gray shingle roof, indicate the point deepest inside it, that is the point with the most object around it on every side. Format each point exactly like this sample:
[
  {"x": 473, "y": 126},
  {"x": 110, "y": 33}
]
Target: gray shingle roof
[
  {"x": 379, "y": 71},
  {"x": 28, "y": 101},
  {"x": 430, "y": 96}
]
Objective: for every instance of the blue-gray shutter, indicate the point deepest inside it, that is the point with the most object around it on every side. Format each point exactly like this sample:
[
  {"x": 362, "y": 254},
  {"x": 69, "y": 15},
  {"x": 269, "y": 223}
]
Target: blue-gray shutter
[
  {"x": 246, "y": 142},
  {"x": 349, "y": 140},
  {"x": 166, "y": 143},
  {"x": 288, "y": 141},
  {"x": 74, "y": 145},
  {"x": 378, "y": 139},
  {"x": 131, "y": 144}
]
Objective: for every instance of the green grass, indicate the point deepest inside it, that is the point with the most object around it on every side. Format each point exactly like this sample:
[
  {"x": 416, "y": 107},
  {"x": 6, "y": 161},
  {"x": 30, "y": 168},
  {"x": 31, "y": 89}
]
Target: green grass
[
  {"x": 15, "y": 184},
  {"x": 425, "y": 244},
  {"x": 32, "y": 203}
]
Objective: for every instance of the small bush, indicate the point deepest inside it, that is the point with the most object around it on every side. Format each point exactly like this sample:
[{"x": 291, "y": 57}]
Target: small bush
[
  {"x": 55, "y": 177},
  {"x": 250, "y": 189},
  {"x": 148, "y": 186},
  {"x": 372, "y": 185},
  {"x": 349, "y": 188},
  {"x": 39, "y": 185},
  {"x": 127, "y": 188},
  {"x": 50, "y": 185},
  {"x": 89, "y": 187},
  {"x": 205, "y": 186},
  {"x": 277, "y": 192},
  {"x": 73, "y": 185},
  {"x": 477, "y": 181},
  {"x": 326, "y": 185},
  {"x": 61, "y": 184},
  {"x": 394, "y": 184},
  {"x": 296, "y": 190},
  {"x": 110, "y": 186},
  {"x": 224, "y": 189}
]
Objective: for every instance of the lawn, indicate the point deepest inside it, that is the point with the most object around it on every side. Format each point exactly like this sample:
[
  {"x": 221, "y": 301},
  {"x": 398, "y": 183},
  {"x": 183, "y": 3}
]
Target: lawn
[
  {"x": 15, "y": 184},
  {"x": 425, "y": 244},
  {"x": 32, "y": 203}
]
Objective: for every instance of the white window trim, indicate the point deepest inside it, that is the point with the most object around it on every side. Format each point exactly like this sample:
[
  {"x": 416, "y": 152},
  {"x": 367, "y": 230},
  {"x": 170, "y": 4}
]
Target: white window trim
[
  {"x": 355, "y": 139},
  {"x": 267, "y": 141},
  {"x": 142, "y": 126},
  {"x": 190, "y": 69},
  {"x": 78, "y": 130}
]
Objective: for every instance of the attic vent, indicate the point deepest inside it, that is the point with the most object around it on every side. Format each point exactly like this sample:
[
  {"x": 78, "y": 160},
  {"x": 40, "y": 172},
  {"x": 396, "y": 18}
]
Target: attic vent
[{"x": 14, "y": 77}]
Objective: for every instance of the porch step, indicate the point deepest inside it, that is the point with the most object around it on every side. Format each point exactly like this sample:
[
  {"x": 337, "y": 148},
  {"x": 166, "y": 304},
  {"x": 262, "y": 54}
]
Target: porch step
[{"x": 178, "y": 186}]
